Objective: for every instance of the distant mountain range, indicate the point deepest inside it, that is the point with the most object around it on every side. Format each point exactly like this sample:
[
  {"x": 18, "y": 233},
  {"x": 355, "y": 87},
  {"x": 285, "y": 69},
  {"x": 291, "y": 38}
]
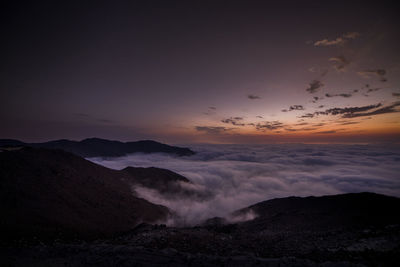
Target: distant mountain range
[{"x": 96, "y": 147}]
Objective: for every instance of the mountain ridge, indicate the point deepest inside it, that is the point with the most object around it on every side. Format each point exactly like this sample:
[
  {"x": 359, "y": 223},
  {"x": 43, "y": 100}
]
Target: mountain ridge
[{"x": 97, "y": 147}]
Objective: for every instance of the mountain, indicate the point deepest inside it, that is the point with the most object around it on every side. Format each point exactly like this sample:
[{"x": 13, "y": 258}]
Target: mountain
[
  {"x": 52, "y": 193},
  {"x": 96, "y": 147},
  {"x": 352, "y": 210}
]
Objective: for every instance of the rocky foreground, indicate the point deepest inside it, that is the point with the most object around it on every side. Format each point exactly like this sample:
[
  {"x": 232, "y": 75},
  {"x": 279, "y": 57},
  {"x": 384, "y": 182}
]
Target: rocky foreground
[
  {"x": 228, "y": 245},
  {"x": 312, "y": 237}
]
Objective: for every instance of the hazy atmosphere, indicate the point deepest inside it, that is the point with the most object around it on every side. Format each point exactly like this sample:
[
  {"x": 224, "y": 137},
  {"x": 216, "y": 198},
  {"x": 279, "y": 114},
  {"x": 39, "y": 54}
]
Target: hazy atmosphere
[{"x": 236, "y": 176}]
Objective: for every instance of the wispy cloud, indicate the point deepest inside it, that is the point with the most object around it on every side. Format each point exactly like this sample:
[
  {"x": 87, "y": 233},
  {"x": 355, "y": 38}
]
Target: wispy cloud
[
  {"x": 237, "y": 121},
  {"x": 326, "y": 132},
  {"x": 339, "y": 41},
  {"x": 210, "y": 111},
  {"x": 314, "y": 86},
  {"x": 253, "y": 97},
  {"x": 212, "y": 129},
  {"x": 342, "y": 95},
  {"x": 348, "y": 122},
  {"x": 351, "y": 35},
  {"x": 340, "y": 63},
  {"x": 269, "y": 125},
  {"x": 316, "y": 98},
  {"x": 294, "y": 107},
  {"x": 380, "y": 73},
  {"x": 353, "y": 112},
  {"x": 384, "y": 110}
]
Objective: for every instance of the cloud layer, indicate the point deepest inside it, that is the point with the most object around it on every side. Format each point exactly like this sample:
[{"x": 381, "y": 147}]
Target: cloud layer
[{"x": 237, "y": 176}]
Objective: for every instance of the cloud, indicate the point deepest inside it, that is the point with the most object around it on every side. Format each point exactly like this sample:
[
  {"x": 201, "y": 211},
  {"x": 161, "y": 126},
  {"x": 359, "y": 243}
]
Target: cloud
[
  {"x": 259, "y": 117},
  {"x": 293, "y": 107},
  {"x": 296, "y": 107},
  {"x": 210, "y": 111},
  {"x": 353, "y": 112},
  {"x": 346, "y": 112},
  {"x": 380, "y": 73},
  {"x": 340, "y": 63},
  {"x": 302, "y": 124},
  {"x": 269, "y": 125},
  {"x": 322, "y": 72},
  {"x": 307, "y": 115},
  {"x": 212, "y": 129},
  {"x": 326, "y": 132},
  {"x": 326, "y": 42},
  {"x": 384, "y": 110},
  {"x": 373, "y": 89},
  {"x": 396, "y": 94},
  {"x": 314, "y": 86},
  {"x": 237, "y": 176},
  {"x": 351, "y": 35},
  {"x": 339, "y": 41},
  {"x": 253, "y": 97},
  {"x": 342, "y": 95},
  {"x": 237, "y": 121},
  {"x": 348, "y": 122},
  {"x": 316, "y": 98}
]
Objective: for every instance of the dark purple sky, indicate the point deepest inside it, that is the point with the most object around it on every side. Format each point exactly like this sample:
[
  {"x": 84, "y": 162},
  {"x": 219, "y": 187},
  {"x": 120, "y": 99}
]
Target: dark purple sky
[{"x": 201, "y": 71}]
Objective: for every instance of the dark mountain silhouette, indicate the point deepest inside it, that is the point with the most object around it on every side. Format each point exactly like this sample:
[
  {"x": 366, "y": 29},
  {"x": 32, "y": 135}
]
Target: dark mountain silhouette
[
  {"x": 323, "y": 213},
  {"x": 50, "y": 193},
  {"x": 96, "y": 147}
]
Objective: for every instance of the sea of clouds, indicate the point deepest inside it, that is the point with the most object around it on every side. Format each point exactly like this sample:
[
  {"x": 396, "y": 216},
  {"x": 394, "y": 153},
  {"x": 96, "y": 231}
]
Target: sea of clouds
[{"x": 237, "y": 176}]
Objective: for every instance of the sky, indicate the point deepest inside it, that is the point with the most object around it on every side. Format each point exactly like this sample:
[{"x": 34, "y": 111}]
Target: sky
[{"x": 201, "y": 71}]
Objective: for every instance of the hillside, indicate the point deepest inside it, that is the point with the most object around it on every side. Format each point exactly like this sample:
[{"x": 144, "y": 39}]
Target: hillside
[{"x": 52, "y": 193}]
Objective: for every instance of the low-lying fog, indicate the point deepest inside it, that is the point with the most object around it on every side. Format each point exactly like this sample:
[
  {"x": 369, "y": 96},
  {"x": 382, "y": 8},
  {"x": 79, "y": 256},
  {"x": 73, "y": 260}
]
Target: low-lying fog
[{"x": 241, "y": 175}]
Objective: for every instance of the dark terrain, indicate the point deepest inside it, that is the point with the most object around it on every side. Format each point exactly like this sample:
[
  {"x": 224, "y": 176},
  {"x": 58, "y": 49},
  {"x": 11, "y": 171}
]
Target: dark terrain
[
  {"x": 96, "y": 147},
  {"x": 53, "y": 194},
  {"x": 61, "y": 210}
]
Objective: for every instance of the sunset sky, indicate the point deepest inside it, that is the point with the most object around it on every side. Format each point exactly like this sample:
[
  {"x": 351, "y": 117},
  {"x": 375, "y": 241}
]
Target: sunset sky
[{"x": 201, "y": 71}]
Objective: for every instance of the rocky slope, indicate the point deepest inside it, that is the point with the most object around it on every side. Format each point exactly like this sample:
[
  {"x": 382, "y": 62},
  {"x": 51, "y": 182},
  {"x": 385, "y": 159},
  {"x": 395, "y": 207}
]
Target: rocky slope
[
  {"x": 369, "y": 242},
  {"x": 51, "y": 193},
  {"x": 96, "y": 147}
]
